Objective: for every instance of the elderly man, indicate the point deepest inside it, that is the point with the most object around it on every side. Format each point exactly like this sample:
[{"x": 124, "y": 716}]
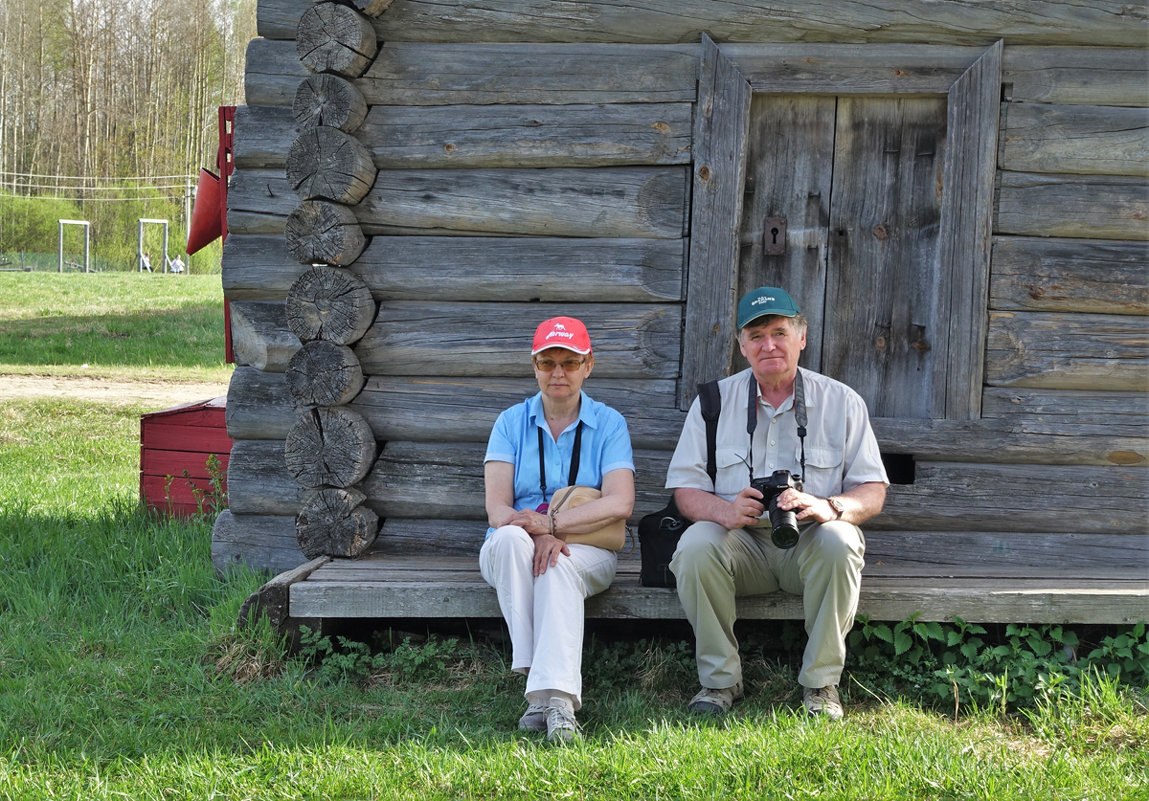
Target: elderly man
[{"x": 775, "y": 417}]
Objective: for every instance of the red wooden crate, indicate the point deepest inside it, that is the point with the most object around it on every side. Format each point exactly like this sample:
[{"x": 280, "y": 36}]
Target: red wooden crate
[{"x": 181, "y": 439}]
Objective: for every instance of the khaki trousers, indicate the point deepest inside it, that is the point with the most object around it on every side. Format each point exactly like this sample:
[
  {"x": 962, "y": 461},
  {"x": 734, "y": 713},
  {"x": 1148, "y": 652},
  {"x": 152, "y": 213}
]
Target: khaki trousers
[{"x": 714, "y": 566}]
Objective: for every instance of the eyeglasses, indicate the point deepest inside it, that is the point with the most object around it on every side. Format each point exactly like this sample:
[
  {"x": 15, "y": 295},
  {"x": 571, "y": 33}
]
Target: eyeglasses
[{"x": 549, "y": 365}]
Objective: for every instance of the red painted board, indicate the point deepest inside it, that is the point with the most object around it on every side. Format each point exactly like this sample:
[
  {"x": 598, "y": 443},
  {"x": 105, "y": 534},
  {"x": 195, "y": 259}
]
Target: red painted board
[
  {"x": 163, "y": 436},
  {"x": 174, "y": 463},
  {"x": 157, "y": 493}
]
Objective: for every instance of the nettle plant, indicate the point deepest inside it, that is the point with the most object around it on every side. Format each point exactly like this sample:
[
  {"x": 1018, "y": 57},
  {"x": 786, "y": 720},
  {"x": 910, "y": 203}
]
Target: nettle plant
[{"x": 959, "y": 663}]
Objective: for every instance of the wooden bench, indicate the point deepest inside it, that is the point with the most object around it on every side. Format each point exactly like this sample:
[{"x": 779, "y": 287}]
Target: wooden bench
[{"x": 978, "y": 577}]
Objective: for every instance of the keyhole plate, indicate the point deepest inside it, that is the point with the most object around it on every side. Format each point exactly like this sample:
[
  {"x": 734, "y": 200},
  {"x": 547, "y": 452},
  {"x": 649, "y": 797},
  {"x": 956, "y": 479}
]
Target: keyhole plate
[{"x": 774, "y": 236}]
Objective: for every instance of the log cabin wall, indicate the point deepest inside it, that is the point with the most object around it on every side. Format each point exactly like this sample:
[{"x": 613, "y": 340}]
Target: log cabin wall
[{"x": 464, "y": 172}]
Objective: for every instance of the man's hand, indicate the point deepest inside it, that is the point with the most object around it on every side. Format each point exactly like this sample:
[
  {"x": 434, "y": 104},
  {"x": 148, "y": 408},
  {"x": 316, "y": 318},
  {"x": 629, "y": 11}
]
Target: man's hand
[{"x": 806, "y": 506}]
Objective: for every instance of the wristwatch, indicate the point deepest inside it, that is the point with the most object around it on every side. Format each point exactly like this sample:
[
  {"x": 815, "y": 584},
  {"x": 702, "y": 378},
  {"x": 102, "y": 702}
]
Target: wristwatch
[{"x": 837, "y": 506}]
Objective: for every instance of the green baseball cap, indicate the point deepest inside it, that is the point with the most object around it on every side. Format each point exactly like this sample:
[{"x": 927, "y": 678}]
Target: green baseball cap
[{"x": 764, "y": 301}]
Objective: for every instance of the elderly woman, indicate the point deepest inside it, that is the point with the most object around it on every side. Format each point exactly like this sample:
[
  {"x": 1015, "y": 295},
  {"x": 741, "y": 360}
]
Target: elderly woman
[{"x": 559, "y": 437}]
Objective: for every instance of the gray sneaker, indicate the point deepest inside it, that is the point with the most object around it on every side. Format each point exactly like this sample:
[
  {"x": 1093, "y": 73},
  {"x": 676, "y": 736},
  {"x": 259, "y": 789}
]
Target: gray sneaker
[
  {"x": 711, "y": 701},
  {"x": 561, "y": 726},
  {"x": 534, "y": 719},
  {"x": 822, "y": 701}
]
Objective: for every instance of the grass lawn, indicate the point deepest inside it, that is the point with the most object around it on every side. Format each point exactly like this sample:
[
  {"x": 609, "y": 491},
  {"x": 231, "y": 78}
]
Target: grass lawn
[{"x": 122, "y": 675}]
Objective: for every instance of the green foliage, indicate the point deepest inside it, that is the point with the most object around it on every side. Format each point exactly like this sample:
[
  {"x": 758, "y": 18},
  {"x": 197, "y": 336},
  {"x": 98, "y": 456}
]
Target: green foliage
[
  {"x": 335, "y": 659},
  {"x": 33, "y": 225},
  {"x": 953, "y": 664}
]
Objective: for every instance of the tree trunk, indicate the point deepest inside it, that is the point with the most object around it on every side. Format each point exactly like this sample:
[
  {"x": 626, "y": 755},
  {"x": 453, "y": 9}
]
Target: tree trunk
[{"x": 329, "y": 447}]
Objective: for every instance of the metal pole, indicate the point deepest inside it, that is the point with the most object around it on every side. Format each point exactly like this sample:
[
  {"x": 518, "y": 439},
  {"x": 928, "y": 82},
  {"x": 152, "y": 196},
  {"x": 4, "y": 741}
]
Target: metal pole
[{"x": 60, "y": 249}]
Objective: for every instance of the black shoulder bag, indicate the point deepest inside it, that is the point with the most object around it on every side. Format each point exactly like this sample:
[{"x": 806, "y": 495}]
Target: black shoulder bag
[{"x": 658, "y": 532}]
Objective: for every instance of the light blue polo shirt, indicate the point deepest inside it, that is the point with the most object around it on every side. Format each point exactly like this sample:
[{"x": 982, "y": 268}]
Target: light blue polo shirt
[{"x": 514, "y": 439}]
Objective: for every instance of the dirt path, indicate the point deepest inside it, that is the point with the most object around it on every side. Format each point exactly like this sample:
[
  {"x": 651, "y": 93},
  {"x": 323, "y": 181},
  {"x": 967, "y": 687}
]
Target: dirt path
[{"x": 160, "y": 394}]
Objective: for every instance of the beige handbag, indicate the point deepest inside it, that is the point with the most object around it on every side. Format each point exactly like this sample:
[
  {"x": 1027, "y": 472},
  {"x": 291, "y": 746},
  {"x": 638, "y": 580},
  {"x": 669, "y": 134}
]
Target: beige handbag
[{"x": 612, "y": 536}]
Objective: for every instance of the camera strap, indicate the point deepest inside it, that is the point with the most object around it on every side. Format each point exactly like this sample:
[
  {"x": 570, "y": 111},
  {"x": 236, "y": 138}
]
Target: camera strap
[
  {"x": 572, "y": 477},
  {"x": 799, "y": 417}
]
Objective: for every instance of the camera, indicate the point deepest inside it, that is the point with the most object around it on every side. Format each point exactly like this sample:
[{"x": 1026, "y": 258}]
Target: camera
[{"x": 783, "y": 522}]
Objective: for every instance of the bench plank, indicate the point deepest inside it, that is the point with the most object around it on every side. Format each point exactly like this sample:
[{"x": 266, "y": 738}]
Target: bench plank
[{"x": 417, "y": 587}]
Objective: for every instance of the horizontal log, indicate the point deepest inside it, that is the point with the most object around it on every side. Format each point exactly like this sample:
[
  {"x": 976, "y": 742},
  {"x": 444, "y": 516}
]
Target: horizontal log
[
  {"x": 1108, "y": 23},
  {"x": 326, "y": 100},
  {"x": 1089, "y": 207},
  {"x": 446, "y": 480},
  {"x": 1019, "y": 425},
  {"x": 950, "y": 496},
  {"x": 319, "y": 232},
  {"x": 333, "y": 522},
  {"x": 254, "y": 542},
  {"x": 259, "y": 483},
  {"x": 1067, "y": 351},
  {"x": 1096, "y": 140},
  {"x": 260, "y": 337},
  {"x": 647, "y": 202},
  {"x": 482, "y": 74},
  {"x": 335, "y": 38},
  {"x": 404, "y": 137},
  {"x": 970, "y": 554},
  {"x": 492, "y": 339},
  {"x": 329, "y": 447},
  {"x": 325, "y": 163},
  {"x": 1068, "y": 275},
  {"x": 1102, "y": 76},
  {"x": 329, "y": 304},
  {"x": 475, "y": 268}
]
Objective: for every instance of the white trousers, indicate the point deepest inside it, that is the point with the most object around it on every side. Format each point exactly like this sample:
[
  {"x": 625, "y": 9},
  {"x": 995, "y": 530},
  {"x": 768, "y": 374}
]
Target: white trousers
[
  {"x": 545, "y": 614},
  {"x": 714, "y": 566}
]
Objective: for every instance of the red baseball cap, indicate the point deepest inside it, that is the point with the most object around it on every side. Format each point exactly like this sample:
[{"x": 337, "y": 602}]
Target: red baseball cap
[{"x": 561, "y": 332}]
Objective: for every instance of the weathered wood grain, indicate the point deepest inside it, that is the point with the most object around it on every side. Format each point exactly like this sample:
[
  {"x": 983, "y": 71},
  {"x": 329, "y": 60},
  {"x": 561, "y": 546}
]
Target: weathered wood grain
[
  {"x": 333, "y": 522},
  {"x": 260, "y": 337},
  {"x": 887, "y": 326},
  {"x": 335, "y": 38},
  {"x": 1067, "y": 351},
  {"x": 558, "y": 269},
  {"x": 892, "y": 596},
  {"x": 433, "y": 74},
  {"x": 950, "y": 496},
  {"x": 325, "y": 163},
  {"x": 964, "y": 242},
  {"x": 401, "y": 137},
  {"x": 319, "y": 232},
  {"x": 324, "y": 373},
  {"x": 645, "y": 202},
  {"x": 492, "y": 339},
  {"x": 1028, "y": 426},
  {"x": 255, "y": 542},
  {"x": 330, "y": 304},
  {"x": 1093, "y": 140},
  {"x": 271, "y": 599},
  {"x": 837, "y": 68},
  {"x": 790, "y": 164},
  {"x": 1069, "y": 275},
  {"x": 1108, "y": 23},
  {"x": 721, "y": 123},
  {"x": 329, "y": 447},
  {"x": 326, "y": 100},
  {"x": 1101, "y": 76},
  {"x": 446, "y": 480},
  {"x": 1084, "y": 206}
]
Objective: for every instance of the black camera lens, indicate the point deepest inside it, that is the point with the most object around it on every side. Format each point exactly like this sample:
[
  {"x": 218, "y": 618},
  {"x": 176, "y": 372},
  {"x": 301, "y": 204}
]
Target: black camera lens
[{"x": 783, "y": 526}]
